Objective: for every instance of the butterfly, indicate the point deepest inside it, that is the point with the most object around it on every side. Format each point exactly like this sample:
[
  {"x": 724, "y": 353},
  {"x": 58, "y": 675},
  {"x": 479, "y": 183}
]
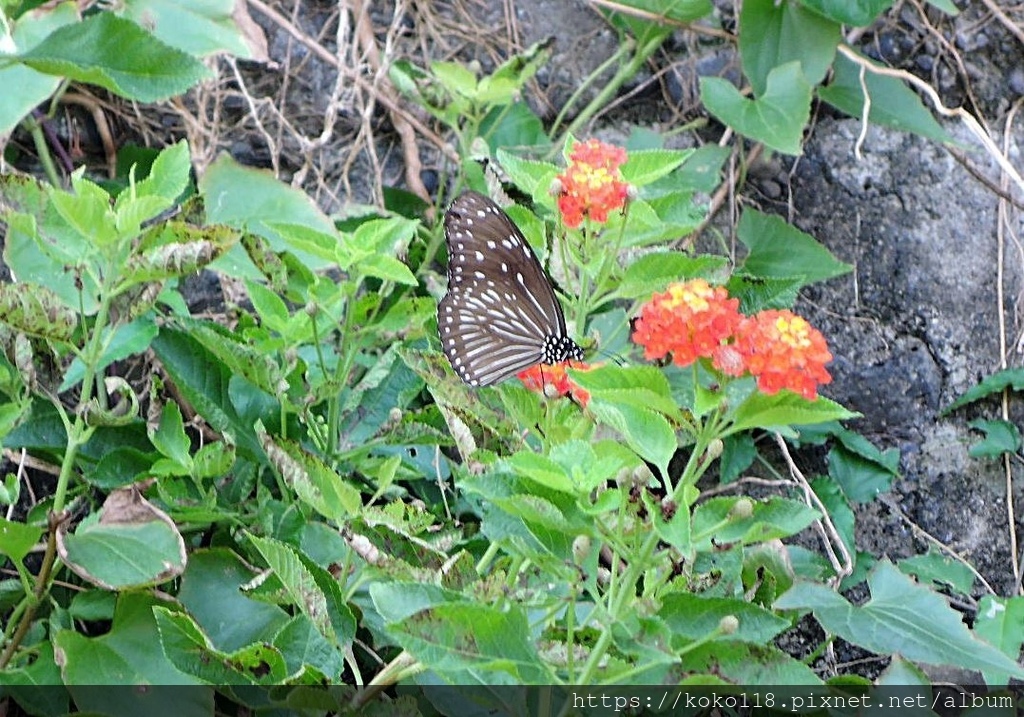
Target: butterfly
[{"x": 500, "y": 314}]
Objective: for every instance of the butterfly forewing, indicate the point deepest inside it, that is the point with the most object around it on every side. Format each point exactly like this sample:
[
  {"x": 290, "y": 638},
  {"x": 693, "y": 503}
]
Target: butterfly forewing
[{"x": 500, "y": 314}]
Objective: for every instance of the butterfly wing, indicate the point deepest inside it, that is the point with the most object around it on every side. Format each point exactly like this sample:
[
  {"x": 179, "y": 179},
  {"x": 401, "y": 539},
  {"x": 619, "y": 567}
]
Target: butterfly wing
[{"x": 500, "y": 314}]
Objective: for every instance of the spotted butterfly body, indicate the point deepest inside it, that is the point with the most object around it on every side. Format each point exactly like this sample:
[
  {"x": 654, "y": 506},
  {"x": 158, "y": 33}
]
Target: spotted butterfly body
[{"x": 500, "y": 314}]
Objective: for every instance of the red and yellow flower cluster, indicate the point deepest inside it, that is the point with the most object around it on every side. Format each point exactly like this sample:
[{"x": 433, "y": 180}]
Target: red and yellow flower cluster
[
  {"x": 591, "y": 185},
  {"x": 553, "y": 381},
  {"x": 695, "y": 320}
]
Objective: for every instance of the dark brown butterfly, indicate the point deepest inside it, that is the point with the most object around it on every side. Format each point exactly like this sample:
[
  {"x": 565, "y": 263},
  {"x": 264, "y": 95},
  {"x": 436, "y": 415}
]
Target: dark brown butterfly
[{"x": 500, "y": 314}]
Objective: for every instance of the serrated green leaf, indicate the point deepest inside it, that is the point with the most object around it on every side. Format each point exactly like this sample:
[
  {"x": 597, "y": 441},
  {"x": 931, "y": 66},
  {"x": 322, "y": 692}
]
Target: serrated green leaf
[
  {"x": 785, "y": 409},
  {"x": 649, "y": 165},
  {"x": 316, "y": 483},
  {"x": 1000, "y": 437},
  {"x": 127, "y": 654},
  {"x": 776, "y": 118},
  {"x": 458, "y": 637},
  {"x": 119, "y": 56},
  {"x": 862, "y": 480},
  {"x": 653, "y": 272},
  {"x": 17, "y": 539},
  {"x": 937, "y": 568}
]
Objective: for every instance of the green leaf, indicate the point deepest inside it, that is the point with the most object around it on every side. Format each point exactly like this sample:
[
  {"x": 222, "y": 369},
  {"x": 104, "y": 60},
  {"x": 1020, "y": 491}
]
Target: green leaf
[
  {"x": 785, "y": 409},
  {"x": 191, "y": 652},
  {"x": 773, "y": 34},
  {"x": 169, "y": 437},
  {"x": 861, "y": 479},
  {"x": 17, "y": 539},
  {"x": 166, "y": 181},
  {"x": 693, "y": 617},
  {"x": 127, "y": 340},
  {"x": 304, "y": 591},
  {"x": 531, "y": 176},
  {"x": 24, "y": 88},
  {"x": 131, "y": 544},
  {"x": 198, "y": 27},
  {"x": 757, "y": 293},
  {"x": 387, "y": 268},
  {"x": 646, "y": 432},
  {"x": 893, "y": 104},
  {"x": 780, "y": 250},
  {"x": 253, "y": 200},
  {"x": 316, "y": 483},
  {"x": 457, "y": 637},
  {"x": 455, "y": 78},
  {"x": 1000, "y": 622},
  {"x": 204, "y": 382},
  {"x": 211, "y": 590},
  {"x": 891, "y": 623},
  {"x": 715, "y": 524},
  {"x": 653, "y": 272},
  {"x": 857, "y": 13},
  {"x": 1012, "y": 378},
  {"x": 942, "y": 571},
  {"x": 119, "y": 56},
  {"x": 128, "y": 654},
  {"x": 649, "y": 165},
  {"x": 777, "y": 118},
  {"x": 1000, "y": 437},
  {"x": 745, "y": 664}
]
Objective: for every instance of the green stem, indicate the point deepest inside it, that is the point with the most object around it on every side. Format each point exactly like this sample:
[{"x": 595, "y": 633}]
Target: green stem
[
  {"x": 625, "y": 73},
  {"x": 35, "y": 128},
  {"x": 636, "y": 568},
  {"x": 625, "y": 48}
]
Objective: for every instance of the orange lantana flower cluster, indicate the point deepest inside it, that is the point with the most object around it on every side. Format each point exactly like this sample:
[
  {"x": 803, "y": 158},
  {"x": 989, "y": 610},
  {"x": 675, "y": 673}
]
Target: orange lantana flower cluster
[
  {"x": 591, "y": 185},
  {"x": 553, "y": 381},
  {"x": 694, "y": 320},
  {"x": 690, "y": 321}
]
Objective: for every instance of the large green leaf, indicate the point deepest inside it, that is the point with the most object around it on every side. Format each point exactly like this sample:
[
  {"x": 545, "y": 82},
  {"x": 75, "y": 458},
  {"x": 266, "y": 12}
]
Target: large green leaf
[
  {"x": 127, "y": 654},
  {"x": 119, "y": 56},
  {"x": 211, "y": 590},
  {"x": 777, "y": 249},
  {"x": 131, "y": 544},
  {"x": 25, "y": 88},
  {"x": 858, "y": 13},
  {"x": 774, "y": 33},
  {"x": 199, "y": 27},
  {"x": 253, "y": 200},
  {"x": 892, "y": 622},
  {"x": 776, "y": 118},
  {"x": 893, "y": 104},
  {"x": 455, "y": 637},
  {"x": 205, "y": 382},
  {"x": 1000, "y": 621}
]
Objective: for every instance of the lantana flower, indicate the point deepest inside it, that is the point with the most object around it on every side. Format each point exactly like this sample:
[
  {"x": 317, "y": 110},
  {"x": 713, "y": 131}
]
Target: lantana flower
[
  {"x": 552, "y": 381},
  {"x": 591, "y": 185},
  {"x": 690, "y": 320},
  {"x": 782, "y": 351},
  {"x": 694, "y": 320}
]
